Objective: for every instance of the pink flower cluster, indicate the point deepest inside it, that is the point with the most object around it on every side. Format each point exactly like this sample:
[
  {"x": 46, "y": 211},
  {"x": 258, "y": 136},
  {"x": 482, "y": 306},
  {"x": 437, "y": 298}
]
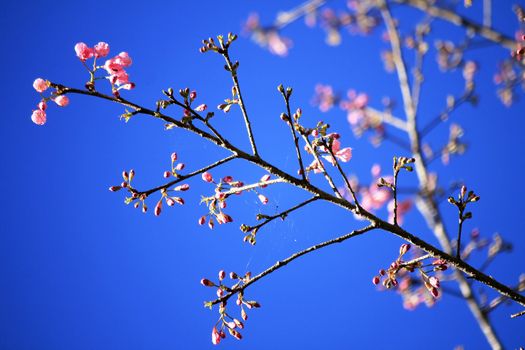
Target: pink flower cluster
[
  {"x": 39, "y": 115},
  {"x": 373, "y": 196},
  {"x": 414, "y": 291},
  {"x": 267, "y": 37},
  {"x": 324, "y": 97},
  {"x": 115, "y": 66}
]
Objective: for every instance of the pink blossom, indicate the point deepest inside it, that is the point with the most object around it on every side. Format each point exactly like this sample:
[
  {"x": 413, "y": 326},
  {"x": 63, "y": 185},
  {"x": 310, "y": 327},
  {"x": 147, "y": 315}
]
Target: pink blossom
[
  {"x": 62, "y": 100},
  {"x": 83, "y": 51},
  {"x": 178, "y": 200},
  {"x": 344, "y": 155},
  {"x": 201, "y": 108},
  {"x": 101, "y": 49},
  {"x": 354, "y": 117},
  {"x": 128, "y": 86},
  {"x": 158, "y": 208},
  {"x": 112, "y": 67},
  {"x": 183, "y": 187},
  {"x": 434, "y": 282},
  {"x": 40, "y": 85},
  {"x": 324, "y": 98},
  {"x": 38, "y": 117},
  {"x": 119, "y": 78},
  {"x": 316, "y": 167},
  {"x": 376, "y": 170},
  {"x": 263, "y": 199},
  {"x": 206, "y": 176},
  {"x": 123, "y": 59},
  {"x": 224, "y": 218},
  {"x": 215, "y": 336}
]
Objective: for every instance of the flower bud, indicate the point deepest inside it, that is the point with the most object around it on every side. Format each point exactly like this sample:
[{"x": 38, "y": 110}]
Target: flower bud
[
  {"x": 183, "y": 187},
  {"x": 206, "y": 176},
  {"x": 158, "y": 208},
  {"x": 263, "y": 199},
  {"x": 434, "y": 281},
  {"x": 404, "y": 248},
  {"x": 222, "y": 275},
  {"x": 202, "y": 220},
  {"x": 207, "y": 283},
  {"x": 115, "y": 188},
  {"x": 215, "y": 336},
  {"x": 376, "y": 280},
  {"x": 167, "y": 174}
]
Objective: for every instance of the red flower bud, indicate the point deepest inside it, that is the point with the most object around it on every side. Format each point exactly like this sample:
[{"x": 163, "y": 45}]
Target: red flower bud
[
  {"x": 404, "y": 248},
  {"x": 207, "y": 283}
]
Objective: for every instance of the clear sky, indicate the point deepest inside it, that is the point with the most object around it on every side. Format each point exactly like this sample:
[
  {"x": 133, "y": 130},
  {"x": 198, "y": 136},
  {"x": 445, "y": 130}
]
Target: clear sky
[{"x": 81, "y": 270}]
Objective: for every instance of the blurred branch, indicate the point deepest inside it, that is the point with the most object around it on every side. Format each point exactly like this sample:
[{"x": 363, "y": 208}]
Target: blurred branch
[
  {"x": 454, "y": 18},
  {"x": 428, "y": 207}
]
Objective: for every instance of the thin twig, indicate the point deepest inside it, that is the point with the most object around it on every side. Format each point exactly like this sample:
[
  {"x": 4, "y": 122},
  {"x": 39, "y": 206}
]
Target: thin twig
[
  {"x": 289, "y": 259},
  {"x": 187, "y": 176},
  {"x": 282, "y": 215},
  {"x": 452, "y": 17},
  {"x": 426, "y": 204},
  {"x": 291, "y": 123},
  {"x": 322, "y": 167},
  {"x": 242, "y": 105}
]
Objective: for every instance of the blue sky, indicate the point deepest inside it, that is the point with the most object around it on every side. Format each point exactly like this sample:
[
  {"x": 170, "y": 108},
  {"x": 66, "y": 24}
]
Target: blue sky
[{"x": 82, "y": 270}]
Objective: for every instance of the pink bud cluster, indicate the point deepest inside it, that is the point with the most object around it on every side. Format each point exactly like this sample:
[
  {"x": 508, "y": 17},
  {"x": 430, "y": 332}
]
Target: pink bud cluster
[
  {"x": 175, "y": 167},
  {"x": 399, "y": 271},
  {"x": 217, "y": 202},
  {"x": 39, "y": 115},
  {"x": 226, "y": 322},
  {"x": 139, "y": 198}
]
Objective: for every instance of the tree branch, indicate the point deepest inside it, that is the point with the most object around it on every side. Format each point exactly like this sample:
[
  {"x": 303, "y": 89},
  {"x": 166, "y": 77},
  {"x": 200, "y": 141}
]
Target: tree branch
[{"x": 289, "y": 259}]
